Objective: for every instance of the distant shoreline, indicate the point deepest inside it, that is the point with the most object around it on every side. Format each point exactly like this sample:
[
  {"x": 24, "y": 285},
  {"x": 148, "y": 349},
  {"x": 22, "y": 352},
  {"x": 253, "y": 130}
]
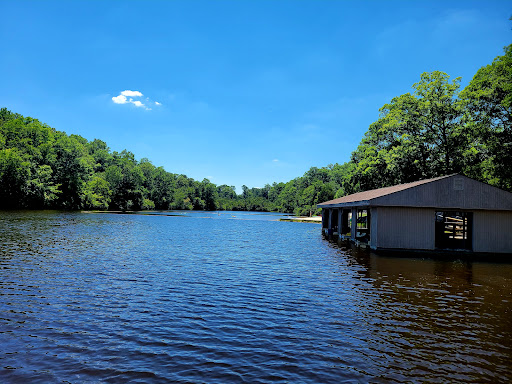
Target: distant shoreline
[
  {"x": 314, "y": 219},
  {"x": 295, "y": 219}
]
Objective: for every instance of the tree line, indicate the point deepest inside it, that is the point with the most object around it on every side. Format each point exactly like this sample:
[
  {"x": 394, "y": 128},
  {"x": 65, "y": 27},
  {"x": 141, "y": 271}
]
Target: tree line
[{"x": 435, "y": 130}]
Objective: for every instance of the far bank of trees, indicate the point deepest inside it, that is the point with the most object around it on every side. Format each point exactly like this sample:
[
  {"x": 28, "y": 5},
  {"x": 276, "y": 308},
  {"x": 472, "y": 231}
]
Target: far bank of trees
[{"x": 435, "y": 130}]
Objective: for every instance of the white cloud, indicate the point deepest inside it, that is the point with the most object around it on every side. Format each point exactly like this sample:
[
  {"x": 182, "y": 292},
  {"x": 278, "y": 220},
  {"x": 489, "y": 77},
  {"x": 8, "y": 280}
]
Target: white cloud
[
  {"x": 132, "y": 93},
  {"x": 120, "y": 99},
  {"x": 275, "y": 161},
  {"x": 126, "y": 97}
]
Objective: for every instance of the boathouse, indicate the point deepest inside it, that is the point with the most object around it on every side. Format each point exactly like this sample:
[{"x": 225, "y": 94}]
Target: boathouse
[{"x": 449, "y": 213}]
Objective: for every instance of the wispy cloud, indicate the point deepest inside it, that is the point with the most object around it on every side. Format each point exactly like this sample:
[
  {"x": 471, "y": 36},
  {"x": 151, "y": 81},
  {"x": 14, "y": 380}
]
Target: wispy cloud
[{"x": 129, "y": 97}]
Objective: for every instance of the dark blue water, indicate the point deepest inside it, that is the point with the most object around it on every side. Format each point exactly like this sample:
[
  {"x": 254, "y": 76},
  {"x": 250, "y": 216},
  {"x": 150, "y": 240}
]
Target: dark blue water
[{"x": 237, "y": 298}]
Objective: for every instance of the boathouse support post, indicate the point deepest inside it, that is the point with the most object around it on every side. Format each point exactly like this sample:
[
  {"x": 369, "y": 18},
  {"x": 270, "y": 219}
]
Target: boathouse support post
[
  {"x": 329, "y": 228},
  {"x": 340, "y": 221},
  {"x": 353, "y": 229}
]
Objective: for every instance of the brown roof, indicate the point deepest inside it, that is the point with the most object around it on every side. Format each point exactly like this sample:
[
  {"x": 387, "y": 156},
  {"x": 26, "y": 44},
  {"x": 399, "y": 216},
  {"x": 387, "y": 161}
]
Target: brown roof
[{"x": 374, "y": 193}]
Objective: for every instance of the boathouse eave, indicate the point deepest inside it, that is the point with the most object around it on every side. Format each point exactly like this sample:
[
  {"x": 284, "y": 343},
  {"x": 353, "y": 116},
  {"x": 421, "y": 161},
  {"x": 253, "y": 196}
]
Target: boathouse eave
[{"x": 375, "y": 204}]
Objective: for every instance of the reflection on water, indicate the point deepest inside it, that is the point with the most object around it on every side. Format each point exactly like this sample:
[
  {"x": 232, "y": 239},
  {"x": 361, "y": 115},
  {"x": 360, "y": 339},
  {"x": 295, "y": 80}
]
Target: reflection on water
[
  {"x": 453, "y": 316},
  {"x": 242, "y": 298}
]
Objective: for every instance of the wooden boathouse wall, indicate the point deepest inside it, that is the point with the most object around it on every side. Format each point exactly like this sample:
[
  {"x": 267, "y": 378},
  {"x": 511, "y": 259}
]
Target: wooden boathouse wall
[
  {"x": 405, "y": 228},
  {"x": 492, "y": 231}
]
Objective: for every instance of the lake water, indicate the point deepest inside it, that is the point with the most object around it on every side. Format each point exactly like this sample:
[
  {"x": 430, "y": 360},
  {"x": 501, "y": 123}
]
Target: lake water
[{"x": 237, "y": 298}]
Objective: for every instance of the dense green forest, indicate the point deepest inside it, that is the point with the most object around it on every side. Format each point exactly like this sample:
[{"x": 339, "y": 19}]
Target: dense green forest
[{"x": 435, "y": 130}]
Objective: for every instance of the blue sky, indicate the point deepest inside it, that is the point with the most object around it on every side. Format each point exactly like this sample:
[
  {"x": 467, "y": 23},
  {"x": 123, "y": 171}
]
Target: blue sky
[{"x": 248, "y": 92}]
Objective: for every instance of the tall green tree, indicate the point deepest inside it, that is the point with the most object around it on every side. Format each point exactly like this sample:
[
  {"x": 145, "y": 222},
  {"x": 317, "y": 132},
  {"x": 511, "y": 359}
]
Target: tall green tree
[
  {"x": 488, "y": 105},
  {"x": 417, "y": 136},
  {"x": 97, "y": 194},
  {"x": 41, "y": 191},
  {"x": 126, "y": 181},
  {"x": 14, "y": 176},
  {"x": 441, "y": 120},
  {"x": 72, "y": 170}
]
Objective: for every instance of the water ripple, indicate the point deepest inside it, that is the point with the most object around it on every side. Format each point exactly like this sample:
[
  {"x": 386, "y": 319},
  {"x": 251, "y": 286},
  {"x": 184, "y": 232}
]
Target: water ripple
[{"x": 198, "y": 298}]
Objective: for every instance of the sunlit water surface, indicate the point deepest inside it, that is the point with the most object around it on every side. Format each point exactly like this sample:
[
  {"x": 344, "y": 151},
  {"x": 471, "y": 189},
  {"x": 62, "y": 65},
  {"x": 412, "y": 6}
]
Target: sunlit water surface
[{"x": 237, "y": 298}]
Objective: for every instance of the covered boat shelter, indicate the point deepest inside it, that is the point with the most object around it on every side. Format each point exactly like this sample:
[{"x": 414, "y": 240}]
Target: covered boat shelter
[{"x": 450, "y": 213}]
